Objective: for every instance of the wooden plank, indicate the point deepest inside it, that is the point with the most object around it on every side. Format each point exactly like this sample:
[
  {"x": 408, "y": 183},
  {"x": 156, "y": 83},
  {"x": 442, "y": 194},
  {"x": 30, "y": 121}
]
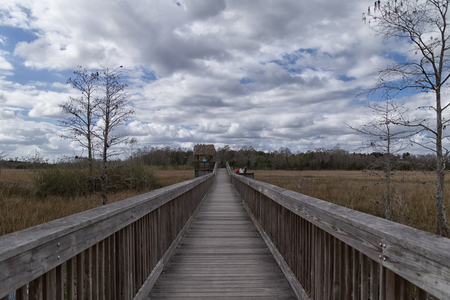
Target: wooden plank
[
  {"x": 328, "y": 267},
  {"x": 119, "y": 278},
  {"x": 356, "y": 275},
  {"x": 312, "y": 257},
  {"x": 101, "y": 270},
  {"x": 405, "y": 289},
  {"x": 125, "y": 265},
  {"x": 365, "y": 233},
  {"x": 225, "y": 266},
  {"x": 390, "y": 285},
  {"x": 308, "y": 259},
  {"x": 319, "y": 272},
  {"x": 36, "y": 289},
  {"x": 348, "y": 272},
  {"x": 342, "y": 267},
  {"x": 374, "y": 278},
  {"x": 138, "y": 236},
  {"x": 22, "y": 293},
  {"x": 382, "y": 283},
  {"x": 433, "y": 277},
  {"x": 59, "y": 283},
  {"x": 289, "y": 275},
  {"x": 109, "y": 261},
  {"x": 48, "y": 284},
  {"x": 80, "y": 275},
  {"x": 70, "y": 282},
  {"x": 364, "y": 277},
  {"x": 326, "y": 216},
  {"x": 32, "y": 251},
  {"x": 157, "y": 270},
  {"x": 337, "y": 280},
  {"x": 88, "y": 274},
  {"x": 421, "y": 294},
  {"x": 95, "y": 286}
]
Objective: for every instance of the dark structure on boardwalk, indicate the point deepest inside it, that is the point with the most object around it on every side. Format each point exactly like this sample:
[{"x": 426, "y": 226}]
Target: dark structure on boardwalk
[{"x": 204, "y": 159}]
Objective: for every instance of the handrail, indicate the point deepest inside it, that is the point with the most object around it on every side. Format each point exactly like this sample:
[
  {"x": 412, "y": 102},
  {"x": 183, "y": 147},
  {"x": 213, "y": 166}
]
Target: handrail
[
  {"x": 113, "y": 250},
  {"x": 330, "y": 249}
]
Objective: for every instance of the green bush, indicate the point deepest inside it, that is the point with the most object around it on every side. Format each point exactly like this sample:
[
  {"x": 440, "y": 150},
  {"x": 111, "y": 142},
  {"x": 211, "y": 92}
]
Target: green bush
[
  {"x": 67, "y": 180},
  {"x": 131, "y": 175},
  {"x": 71, "y": 179}
]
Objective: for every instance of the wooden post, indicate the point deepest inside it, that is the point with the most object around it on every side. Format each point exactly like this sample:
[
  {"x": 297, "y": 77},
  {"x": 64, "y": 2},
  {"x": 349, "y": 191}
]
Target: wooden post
[
  {"x": 21, "y": 294},
  {"x": 95, "y": 286},
  {"x": 36, "y": 289},
  {"x": 374, "y": 277},
  {"x": 364, "y": 278},
  {"x": 382, "y": 283},
  {"x": 80, "y": 277},
  {"x": 59, "y": 283},
  {"x": 392, "y": 286},
  {"x": 319, "y": 272},
  {"x": 348, "y": 272},
  {"x": 356, "y": 275},
  {"x": 337, "y": 280},
  {"x": 88, "y": 274}
]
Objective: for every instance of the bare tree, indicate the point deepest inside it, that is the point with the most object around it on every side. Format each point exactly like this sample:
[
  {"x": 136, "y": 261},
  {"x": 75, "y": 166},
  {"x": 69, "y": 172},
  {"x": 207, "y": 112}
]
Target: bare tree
[
  {"x": 2, "y": 156},
  {"x": 423, "y": 24},
  {"x": 386, "y": 138},
  {"x": 80, "y": 120},
  {"x": 112, "y": 111}
]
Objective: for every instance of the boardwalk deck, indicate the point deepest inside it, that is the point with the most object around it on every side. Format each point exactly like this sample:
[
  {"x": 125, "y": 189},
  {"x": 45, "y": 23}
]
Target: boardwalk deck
[{"x": 222, "y": 256}]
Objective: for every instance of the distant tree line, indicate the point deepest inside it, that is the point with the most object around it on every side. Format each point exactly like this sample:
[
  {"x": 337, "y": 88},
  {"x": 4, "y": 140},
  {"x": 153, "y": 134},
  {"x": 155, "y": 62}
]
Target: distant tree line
[
  {"x": 282, "y": 159},
  {"x": 319, "y": 159}
]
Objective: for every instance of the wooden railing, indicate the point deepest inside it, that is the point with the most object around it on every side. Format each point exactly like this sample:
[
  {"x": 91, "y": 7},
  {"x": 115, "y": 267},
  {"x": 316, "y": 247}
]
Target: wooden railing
[
  {"x": 331, "y": 252},
  {"x": 112, "y": 252}
]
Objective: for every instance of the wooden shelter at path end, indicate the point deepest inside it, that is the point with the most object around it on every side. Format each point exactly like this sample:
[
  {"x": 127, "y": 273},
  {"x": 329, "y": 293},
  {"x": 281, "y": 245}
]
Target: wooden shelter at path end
[{"x": 204, "y": 159}]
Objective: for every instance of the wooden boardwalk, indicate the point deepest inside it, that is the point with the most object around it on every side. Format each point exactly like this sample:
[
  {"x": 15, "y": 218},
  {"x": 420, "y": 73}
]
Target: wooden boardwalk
[{"x": 222, "y": 255}]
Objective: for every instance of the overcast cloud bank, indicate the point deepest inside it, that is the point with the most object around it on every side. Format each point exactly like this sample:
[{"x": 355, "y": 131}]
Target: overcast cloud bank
[{"x": 266, "y": 74}]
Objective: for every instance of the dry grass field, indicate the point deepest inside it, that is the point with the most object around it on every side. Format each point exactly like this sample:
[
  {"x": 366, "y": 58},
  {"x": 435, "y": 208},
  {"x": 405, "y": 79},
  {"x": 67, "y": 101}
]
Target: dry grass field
[
  {"x": 412, "y": 192},
  {"x": 413, "y": 195},
  {"x": 21, "y": 210}
]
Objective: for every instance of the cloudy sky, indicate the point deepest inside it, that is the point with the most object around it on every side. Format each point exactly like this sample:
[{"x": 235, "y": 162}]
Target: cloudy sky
[{"x": 267, "y": 74}]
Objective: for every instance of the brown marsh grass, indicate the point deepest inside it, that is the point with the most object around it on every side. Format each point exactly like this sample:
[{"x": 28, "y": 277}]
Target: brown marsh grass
[
  {"x": 20, "y": 210},
  {"x": 412, "y": 192},
  {"x": 413, "y": 195}
]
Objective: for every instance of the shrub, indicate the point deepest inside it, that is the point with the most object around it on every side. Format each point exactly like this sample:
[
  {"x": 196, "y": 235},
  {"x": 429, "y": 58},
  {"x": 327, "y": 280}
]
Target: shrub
[
  {"x": 67, "y": 180},
  {"x": 131, "y": 175}
]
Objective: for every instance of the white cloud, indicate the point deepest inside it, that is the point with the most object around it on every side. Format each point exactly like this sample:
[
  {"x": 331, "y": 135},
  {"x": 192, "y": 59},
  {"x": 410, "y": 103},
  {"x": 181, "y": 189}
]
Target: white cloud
[
  {"x": 4, "y": 63},
  {"x": 267, "y": 74}
]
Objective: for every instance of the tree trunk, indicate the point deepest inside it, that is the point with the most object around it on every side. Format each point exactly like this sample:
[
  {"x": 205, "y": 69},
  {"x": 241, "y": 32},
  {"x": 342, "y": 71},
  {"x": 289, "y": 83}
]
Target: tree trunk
[
  {"x": 90, "y": 167},
  {"x": 388, "y": 172},
  {"x": 442, "y": 227},
  {"x": 105, "y": 177},
  {"x": 105, "y": 159},
  {"x": 388, "y": 192}
]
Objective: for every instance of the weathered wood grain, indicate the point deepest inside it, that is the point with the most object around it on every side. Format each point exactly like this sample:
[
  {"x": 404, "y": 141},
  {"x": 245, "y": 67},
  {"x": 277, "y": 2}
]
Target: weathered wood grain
[
  {"x": 70, "y": 279},
  {"x": 222, "y": 255},
  {"x": 30, "y": 253},
  {"x": 374, "y": 278},
  {"x": 421, "y": 258},
  {"x": 157, "y": 270}
]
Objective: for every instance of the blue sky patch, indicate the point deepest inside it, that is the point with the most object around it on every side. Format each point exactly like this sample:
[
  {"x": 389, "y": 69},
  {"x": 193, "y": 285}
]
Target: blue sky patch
[
  {"x": 14, "y": 35},
  {"x": 246, "y": 80}
]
